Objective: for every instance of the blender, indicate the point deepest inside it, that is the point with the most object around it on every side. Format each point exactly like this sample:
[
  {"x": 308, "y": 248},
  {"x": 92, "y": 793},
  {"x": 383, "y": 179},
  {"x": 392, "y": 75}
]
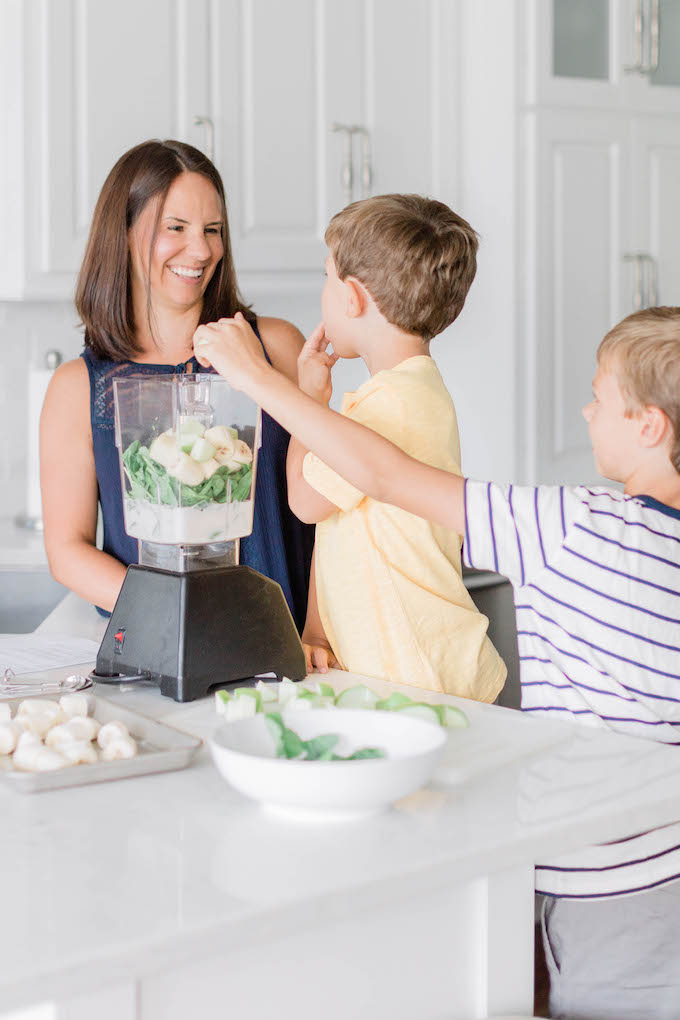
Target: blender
[{"x": 188, "y": 615}]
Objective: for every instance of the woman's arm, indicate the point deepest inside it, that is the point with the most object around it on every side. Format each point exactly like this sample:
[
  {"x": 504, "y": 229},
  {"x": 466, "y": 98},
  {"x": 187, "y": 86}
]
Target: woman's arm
[
  {"x": 283, "y": 343},
  {"x": 69, "y": 490}
]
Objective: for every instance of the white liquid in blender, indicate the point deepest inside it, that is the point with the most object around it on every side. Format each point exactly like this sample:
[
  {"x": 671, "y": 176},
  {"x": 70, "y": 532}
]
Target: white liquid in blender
[{"x": 190, "y": 525}]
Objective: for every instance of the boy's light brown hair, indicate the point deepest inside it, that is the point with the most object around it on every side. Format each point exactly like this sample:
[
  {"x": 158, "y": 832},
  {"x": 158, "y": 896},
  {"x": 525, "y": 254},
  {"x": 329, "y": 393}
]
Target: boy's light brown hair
[
  {"x": 644, "y": 351},
  {"x": 415, "y": 256}
]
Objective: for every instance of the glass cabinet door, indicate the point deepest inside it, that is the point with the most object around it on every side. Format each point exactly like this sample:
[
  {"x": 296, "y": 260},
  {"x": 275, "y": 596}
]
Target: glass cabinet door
[
  {"x": 667, "y": 56},
  {"x": 581, "y": 39}
]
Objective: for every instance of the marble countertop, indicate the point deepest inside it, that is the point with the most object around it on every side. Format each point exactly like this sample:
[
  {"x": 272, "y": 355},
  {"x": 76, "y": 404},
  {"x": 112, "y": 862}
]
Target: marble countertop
[{"x": 106, "y": 881}]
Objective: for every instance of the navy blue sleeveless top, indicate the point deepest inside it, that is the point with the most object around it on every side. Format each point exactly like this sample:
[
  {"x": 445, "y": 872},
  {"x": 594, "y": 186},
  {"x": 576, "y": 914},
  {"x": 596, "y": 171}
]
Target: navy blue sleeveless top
[{"x": 280, "y": 546}]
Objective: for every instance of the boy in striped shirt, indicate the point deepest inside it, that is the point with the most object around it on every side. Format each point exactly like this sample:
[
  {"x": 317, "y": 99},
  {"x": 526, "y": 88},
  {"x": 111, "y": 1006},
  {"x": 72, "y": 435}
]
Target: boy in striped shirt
[{"x": 596, "y": 576}]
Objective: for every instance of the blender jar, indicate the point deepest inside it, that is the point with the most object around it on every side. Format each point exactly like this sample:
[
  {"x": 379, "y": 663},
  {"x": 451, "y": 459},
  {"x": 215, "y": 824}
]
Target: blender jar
[{"x": 187, "y": 446}]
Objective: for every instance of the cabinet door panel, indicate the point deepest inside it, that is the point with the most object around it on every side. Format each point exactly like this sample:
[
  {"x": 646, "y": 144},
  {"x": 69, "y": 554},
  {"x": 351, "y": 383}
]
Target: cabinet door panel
[
  {"x": 279, "y": 90},
  {"x": 412, "y": 94},
  {"x": 269, "y": 103},
  {"x": 286, "y": 73},
  {"x": 579, "y": 215},
  {"x": 580, "y": 39},
  {"x": 104, "y": 77},
  {"x": 588, "y": 53},
  {"x": 656, "y": 172},
  {"x": 403, "y": 127},
  {"x": 575, "y": 52}
]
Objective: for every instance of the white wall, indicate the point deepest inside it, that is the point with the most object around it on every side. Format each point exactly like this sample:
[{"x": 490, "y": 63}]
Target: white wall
[
  {"x": 27, "y": 332},
  {"x": 478, "y": 355}
]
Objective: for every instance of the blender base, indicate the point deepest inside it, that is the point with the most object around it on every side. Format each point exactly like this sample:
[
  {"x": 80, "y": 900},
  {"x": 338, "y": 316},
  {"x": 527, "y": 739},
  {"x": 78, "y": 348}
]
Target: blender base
[{"x": 190, "y": 631}]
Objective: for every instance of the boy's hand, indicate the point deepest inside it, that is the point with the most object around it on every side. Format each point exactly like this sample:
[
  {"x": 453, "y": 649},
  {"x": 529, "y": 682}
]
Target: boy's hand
[
  {"x": 231, "y": 347},
  {"x": 318, "y": 655},
  {"x": 314, "y": 367}
]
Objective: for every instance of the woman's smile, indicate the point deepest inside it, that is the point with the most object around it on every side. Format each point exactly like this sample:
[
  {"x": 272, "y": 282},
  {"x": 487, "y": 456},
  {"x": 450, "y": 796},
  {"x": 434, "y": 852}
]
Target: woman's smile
[{"x": 187, "y": 273}]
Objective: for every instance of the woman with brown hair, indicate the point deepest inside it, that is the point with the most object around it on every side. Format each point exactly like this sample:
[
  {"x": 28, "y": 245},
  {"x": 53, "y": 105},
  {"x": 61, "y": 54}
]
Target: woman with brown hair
[{"x": 158, "y": 263}]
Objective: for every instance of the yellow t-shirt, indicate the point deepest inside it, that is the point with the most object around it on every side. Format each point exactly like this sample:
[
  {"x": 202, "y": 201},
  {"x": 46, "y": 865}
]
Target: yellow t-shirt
[{"x": 389, "y": 586}]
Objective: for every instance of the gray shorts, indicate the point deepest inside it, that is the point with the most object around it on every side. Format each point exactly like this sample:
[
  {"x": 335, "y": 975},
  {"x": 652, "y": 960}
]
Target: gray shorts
[{"x": 614, "y": 959}]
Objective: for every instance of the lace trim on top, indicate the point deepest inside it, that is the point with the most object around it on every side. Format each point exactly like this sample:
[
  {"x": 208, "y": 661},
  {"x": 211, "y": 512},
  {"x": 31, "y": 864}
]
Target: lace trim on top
[{"x": 103, "y": 413}]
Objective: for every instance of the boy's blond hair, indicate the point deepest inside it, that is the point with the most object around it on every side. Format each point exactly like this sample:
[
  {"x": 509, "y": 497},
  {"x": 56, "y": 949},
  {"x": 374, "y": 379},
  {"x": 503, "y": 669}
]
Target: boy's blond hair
[
  {"x": 644, "y": 349},
  {"x": 416, "y": 258}
]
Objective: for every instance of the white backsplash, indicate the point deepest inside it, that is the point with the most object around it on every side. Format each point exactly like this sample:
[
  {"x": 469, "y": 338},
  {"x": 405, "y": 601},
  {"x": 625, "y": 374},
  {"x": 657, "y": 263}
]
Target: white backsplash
[{"x": 27, "y": 331}]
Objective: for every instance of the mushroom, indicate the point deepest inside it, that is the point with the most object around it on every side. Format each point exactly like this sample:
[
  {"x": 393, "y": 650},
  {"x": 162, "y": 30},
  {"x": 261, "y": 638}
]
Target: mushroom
[
  {"x": 38, "y": 723},
  {"x": 28, "y": 739},
  {"x": 112, "y": 731},
  {"x": 119, "y": 748},
  {"x": 59, "y": 735},
  {"x": 79, "y": 752},
  {"x": 9, "y": 734},
  {"x": 38, "y": 758},
  {"x": 74, "y": 704},
  {"x": 82, "y": 728}
]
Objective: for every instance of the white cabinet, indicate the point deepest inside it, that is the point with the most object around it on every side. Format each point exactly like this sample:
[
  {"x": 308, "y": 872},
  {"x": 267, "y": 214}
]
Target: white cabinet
[
  {"x": 655, "y": 205},
  {"x": 86, "y": 79},
  {"x": 576, "y": 275},
  {"x": 601, "y": 162},
  {"x": 283, "y": 75},
  {"x": 621, "y": 54}
]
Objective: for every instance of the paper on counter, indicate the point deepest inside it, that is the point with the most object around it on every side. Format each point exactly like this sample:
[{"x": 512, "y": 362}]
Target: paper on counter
[{"x": 32, "y": 653}]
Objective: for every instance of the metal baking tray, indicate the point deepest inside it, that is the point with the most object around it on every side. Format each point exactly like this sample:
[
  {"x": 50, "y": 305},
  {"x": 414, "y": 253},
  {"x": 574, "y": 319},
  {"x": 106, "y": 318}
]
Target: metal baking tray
[{"x": 160, "y": 749}]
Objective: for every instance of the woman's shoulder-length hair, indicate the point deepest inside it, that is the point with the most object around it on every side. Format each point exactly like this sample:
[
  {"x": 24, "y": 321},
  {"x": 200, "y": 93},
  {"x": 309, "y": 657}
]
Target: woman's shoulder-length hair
[{"x": 103, "y": 296}]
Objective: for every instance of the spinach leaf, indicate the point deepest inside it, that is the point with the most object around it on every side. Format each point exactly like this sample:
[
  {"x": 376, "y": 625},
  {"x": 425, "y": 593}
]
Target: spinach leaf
[
  {"x": 289, "y": 745},
  {"x": 150, "y": 481},
  {"x": 320, "y": 748}
]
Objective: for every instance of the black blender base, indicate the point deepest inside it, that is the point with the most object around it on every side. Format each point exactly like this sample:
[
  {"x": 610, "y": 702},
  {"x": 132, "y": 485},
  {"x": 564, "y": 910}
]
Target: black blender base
[{"x": 190, "y": 631}]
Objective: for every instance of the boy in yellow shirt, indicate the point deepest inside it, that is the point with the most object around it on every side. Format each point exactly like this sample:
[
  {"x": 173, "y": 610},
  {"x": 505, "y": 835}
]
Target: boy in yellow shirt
[{"x": 387, "y": 597}]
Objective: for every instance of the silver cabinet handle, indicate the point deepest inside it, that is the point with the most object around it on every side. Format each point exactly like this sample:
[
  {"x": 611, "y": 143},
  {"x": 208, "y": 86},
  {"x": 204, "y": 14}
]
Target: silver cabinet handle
[
  {"x": 637, "y": 286},
  {"x": 347, "y": 173},
  {"x": 646, "y": 279},
  {"x": 654, "y": 29},
  {"x": 646, "y": 15},
  {"x": 366, "y": 170},
  {"x": 637, "y": 35},
  {"x": 652, "y": 281},
  {"x": 209, "y": 135},
  {"x": 366, "y": 161}
]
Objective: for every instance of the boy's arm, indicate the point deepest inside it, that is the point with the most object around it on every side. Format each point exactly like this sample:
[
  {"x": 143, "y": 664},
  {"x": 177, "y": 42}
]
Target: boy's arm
[
  {"x": 307, "y": 504},
  {"x": 314, "y": 378},
  {"x": 362, "y": 457},
  {"x": 318, "y": 652}
]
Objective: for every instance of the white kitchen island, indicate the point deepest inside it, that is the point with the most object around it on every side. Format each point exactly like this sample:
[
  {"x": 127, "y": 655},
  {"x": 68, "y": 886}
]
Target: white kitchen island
[{"x": 170, "y": 897}]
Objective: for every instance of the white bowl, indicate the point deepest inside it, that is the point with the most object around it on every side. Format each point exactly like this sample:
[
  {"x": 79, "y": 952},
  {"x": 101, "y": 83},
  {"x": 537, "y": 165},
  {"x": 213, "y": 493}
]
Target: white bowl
[{"x": 245, "y": 754}]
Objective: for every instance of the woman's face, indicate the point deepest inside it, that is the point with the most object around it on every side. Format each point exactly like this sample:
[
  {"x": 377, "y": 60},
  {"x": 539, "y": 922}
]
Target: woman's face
[{"x": 188, "y": 244}]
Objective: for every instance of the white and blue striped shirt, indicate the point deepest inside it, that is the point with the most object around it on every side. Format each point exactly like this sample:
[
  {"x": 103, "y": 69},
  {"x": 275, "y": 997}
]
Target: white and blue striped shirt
[{"x": 596, "y": 578}]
